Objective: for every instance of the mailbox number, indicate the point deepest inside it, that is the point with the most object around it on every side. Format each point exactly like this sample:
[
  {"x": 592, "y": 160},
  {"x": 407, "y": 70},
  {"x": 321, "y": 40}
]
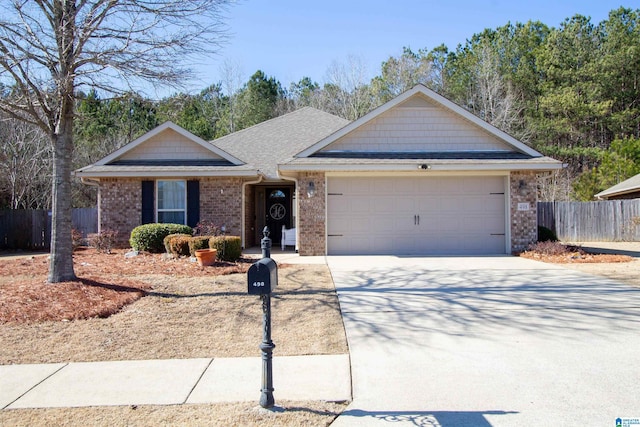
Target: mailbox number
[{"x": 258, "y": 284}]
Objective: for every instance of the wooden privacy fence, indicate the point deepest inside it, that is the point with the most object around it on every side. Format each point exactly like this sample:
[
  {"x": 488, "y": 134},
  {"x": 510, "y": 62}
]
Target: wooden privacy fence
[
  {"x": 31, "y": 229},
  {"x": 604, "y": 221}
]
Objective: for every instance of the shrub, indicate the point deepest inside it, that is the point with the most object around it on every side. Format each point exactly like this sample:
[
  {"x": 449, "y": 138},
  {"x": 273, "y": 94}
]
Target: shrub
[
  {"x": 76, "y": 239},
  {"x": 552, "y": 248},
  {"x": 229, "y": 247},
  {"x": 166, "y": 242},
  {"x": 546, "y": 234},
  {"x": 198, "y": 242},
  {"x": 104, "y": 240},
  {"x": 177, "y": 244},
  {"x": 149, "y": 237},
  {"x": 206, "y": 228}
]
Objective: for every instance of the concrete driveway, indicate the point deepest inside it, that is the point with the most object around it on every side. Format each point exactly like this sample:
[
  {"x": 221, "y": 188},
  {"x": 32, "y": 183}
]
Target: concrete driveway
[{"x": 486, "y": 341}]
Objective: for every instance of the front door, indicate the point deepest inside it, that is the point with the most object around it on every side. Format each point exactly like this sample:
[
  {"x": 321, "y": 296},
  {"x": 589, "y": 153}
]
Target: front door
[{"x": 277, "y": 212}]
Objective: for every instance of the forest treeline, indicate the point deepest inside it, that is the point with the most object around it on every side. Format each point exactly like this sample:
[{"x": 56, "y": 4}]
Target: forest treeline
[{"x": 571, "y": 92}]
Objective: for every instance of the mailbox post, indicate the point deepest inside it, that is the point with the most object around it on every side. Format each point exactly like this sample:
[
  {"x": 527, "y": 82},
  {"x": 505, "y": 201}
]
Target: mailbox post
[{"x": 262, "y": 279}]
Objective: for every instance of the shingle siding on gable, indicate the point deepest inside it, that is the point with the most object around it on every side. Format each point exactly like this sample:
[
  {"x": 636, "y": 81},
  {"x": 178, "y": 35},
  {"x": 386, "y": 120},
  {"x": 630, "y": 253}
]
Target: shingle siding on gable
[
  {"x": 418, "y": 129},
  {"x": 169, "y": 145}
]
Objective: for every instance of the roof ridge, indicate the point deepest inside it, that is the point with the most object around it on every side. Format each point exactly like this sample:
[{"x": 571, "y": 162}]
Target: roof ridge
[{"x": 272, "y": 120}]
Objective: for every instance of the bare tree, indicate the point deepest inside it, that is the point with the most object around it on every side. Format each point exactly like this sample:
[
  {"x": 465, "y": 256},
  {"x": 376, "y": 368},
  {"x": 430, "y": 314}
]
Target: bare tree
[
  {"x": 231, "y": 84},
  {"x": 493, "y": 98},
  {"x": 51, "y": 48},
  {"x": 25, "y": 165},
  {"x": 346, "y": 92}
]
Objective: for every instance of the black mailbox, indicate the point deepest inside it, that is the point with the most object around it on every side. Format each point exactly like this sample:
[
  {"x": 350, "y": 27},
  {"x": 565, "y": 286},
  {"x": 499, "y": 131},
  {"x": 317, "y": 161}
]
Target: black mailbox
[{"x": 262, "y": 277}]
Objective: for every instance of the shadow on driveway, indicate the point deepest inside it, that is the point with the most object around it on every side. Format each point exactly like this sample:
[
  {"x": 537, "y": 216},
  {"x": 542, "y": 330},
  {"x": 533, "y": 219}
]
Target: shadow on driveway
[{"x": 474, "y": 302}]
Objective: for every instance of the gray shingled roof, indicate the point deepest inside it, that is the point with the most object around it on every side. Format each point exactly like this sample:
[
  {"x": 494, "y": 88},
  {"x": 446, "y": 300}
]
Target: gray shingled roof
[
  {"x": 626, "y": 186},
  {"x": 269, "y": 143}
]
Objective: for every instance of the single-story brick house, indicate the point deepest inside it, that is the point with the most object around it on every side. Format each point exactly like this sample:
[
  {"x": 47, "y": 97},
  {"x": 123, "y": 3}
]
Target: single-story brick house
[
  {"x": 627, "y": 189},
  {"x": 417, "y": 175}
]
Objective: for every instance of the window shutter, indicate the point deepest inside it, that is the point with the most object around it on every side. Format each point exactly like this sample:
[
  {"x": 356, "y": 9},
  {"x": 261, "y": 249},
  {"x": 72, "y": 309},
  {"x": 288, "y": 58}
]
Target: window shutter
[
  {"x": 148, "y": 210},
  {"x": 193, "y": 203}
]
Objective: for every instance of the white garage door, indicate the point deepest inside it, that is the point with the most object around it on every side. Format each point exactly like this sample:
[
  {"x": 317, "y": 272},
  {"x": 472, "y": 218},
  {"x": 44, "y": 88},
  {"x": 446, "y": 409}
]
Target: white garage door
[{"x": 431, "y": 216}]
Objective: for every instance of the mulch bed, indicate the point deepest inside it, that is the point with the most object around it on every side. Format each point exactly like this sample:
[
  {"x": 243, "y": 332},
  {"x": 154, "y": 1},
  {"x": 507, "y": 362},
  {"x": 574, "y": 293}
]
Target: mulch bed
[{"x": 106, "y": 283}]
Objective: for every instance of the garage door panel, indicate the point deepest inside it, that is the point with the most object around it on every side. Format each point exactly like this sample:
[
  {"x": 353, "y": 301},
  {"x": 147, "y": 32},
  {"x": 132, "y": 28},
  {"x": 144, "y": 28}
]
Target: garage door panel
[{"x": 436, "y": 215}]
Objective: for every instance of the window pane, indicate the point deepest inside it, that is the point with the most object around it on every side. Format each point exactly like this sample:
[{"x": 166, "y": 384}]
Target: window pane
[
  {"x": 171, "y": 194},
  {"x": 277, "y": 194},
  {"x": 171, "y": 217}
]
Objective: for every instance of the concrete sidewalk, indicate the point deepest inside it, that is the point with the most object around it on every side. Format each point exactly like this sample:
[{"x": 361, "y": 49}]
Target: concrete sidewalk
[{"x": 170, "y": 382}]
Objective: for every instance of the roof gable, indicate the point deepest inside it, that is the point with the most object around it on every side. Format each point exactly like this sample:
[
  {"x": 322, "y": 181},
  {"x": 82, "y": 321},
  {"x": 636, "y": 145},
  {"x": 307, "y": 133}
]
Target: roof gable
[
  {"x": 418, "y": 121},
  {"x": 168, "y": 143}
]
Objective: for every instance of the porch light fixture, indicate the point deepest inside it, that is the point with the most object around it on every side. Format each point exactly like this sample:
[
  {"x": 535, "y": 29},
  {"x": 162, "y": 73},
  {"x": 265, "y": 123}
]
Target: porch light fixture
[
  {"x": 311, "y": 189},
  {"x": 522, "y": 187}
]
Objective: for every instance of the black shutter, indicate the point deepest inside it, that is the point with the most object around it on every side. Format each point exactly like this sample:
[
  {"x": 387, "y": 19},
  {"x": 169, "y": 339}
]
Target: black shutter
[
  {"x": 148, "y": 211},
  {"x": 193, "y": 203}
]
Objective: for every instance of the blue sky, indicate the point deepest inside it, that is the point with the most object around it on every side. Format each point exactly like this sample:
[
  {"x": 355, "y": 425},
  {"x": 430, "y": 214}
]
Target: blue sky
[{"x": 291, "y": 39}]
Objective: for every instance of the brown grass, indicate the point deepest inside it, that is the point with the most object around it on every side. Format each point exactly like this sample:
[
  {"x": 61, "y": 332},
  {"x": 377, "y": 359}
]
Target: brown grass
[
  {"x": 294, "y": 414},
  {"x": 182, "y": 315}
]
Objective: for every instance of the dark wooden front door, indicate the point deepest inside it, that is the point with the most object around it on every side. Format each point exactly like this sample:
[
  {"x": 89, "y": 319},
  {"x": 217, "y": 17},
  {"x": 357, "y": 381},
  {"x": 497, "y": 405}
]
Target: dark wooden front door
[{"x": 277, "y": 212}]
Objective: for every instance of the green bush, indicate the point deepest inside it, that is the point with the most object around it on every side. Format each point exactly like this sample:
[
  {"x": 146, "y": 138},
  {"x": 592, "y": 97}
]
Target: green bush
[
  {"x": 229, "y": 247},
  {"x": 546, "y": 234},
  {"x": 198, "y": 242},
  {"x": 177, "y": 244},
  {"x": 150, "y": 237}
]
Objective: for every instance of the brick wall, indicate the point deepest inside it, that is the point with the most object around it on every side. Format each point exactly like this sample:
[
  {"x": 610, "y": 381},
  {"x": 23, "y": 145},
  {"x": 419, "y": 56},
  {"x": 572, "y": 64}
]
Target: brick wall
[
  {"x": 120, "y": 207},
  {"x": 120, "y": 202},
  {"x": 221, "y": 202},
  {"x": 524, "y": 223},
  {"x": 312, "y": 215}
]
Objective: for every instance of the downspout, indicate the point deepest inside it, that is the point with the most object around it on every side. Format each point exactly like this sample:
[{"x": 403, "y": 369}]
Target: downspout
[{"x": 243, "y": 226}]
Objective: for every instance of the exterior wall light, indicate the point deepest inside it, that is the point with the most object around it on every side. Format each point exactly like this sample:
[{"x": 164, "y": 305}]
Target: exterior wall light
[
  {"x": 522, "y": 187},
  {"x": 311, "y": 189}
]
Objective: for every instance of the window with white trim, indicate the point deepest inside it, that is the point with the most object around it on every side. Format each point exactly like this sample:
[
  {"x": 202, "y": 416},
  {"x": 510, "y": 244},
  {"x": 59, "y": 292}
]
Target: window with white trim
[{"x": 171, "y": 201}]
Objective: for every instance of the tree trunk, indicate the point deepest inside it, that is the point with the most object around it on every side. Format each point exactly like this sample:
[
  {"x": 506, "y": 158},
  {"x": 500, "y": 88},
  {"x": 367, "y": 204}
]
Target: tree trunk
[{"x": 61, "y": 263}]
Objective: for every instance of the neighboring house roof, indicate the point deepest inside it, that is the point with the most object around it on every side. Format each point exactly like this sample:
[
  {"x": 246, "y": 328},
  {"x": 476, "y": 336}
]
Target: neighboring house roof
[
  {"x": 419, "y": 128},
  {"x": 630, "y": 185},
  {"x": 167, "y": 150},
  {"x": 268, "y": 143}
]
